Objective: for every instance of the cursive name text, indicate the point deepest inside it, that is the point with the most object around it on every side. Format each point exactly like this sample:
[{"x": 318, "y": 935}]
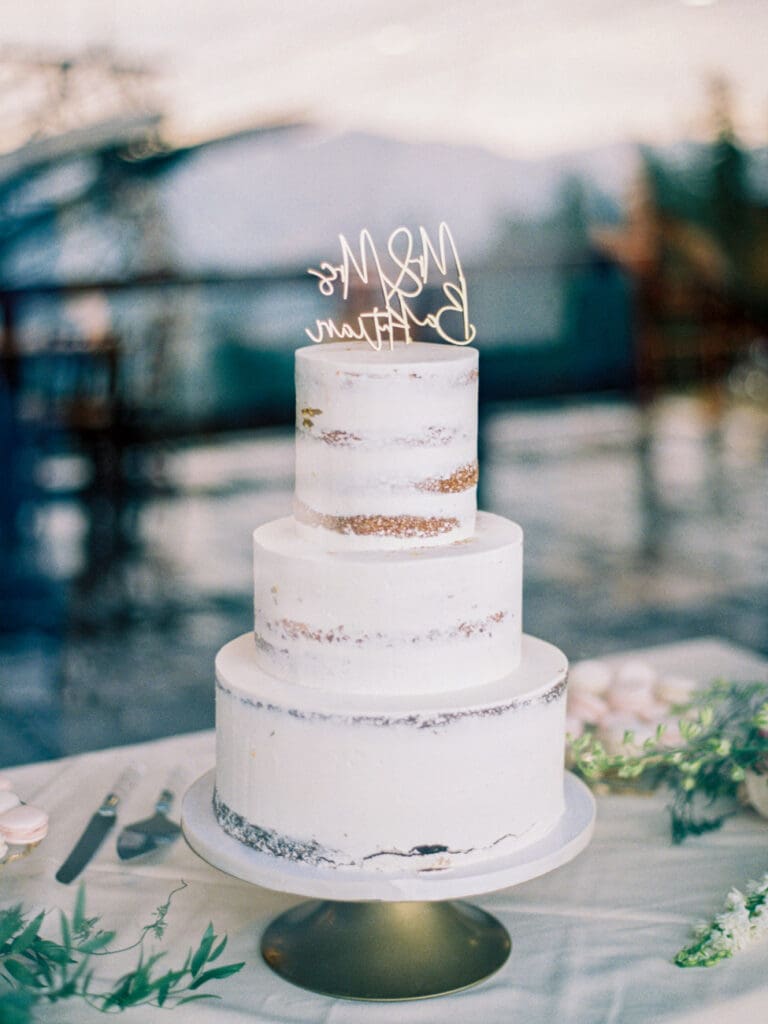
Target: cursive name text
[{"x": 398, "y": 278}]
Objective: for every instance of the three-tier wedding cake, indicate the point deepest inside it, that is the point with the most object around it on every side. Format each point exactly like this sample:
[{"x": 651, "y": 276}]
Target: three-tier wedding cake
[{"x": 387, "y": 713}]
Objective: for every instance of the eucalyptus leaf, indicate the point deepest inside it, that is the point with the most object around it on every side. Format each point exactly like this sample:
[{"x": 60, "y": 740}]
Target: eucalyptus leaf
[
  {"x": 28, "y": 935},
  {"x": 66, "y": 932},
  {"x": 97, "y": 942},
  {"x": 78, "y": 914},
  {"x": 11, "y": 921},
  {"x": 216, "y": 972},
  {"x": 201, "y": 955},
  {"x": 20, "y": 973},
  {"x": 16, "y": 1007},
  {"x": 52, "y": 951}
]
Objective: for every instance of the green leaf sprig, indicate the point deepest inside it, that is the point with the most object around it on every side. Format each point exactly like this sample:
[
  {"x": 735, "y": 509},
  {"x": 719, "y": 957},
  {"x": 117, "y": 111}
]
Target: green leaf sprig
[
  {"x": 34, "y": 969},
  {"x": 724, "y": 734}
]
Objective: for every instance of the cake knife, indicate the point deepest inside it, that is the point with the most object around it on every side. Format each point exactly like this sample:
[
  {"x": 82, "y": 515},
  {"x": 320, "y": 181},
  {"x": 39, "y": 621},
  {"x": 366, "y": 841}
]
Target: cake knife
[{"x": 97, "y": 828}]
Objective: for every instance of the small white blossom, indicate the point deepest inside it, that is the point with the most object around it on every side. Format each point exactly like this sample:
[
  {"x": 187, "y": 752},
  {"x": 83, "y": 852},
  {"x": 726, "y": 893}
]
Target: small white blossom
[
  {"x": 744, "y": 920},
  {"x": 760, "y": 922}
]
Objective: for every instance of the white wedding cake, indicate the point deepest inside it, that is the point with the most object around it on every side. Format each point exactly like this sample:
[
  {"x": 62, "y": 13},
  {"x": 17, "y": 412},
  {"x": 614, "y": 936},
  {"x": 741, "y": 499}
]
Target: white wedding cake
[{"x": 387, "y": 712}]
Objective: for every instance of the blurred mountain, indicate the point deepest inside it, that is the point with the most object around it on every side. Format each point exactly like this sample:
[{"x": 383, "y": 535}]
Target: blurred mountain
[{"x": 281, "y": 200}]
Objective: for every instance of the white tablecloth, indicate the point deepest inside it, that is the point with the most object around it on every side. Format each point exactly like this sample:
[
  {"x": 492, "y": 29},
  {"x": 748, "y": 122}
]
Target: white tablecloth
[{"x": 592, "y": 942}]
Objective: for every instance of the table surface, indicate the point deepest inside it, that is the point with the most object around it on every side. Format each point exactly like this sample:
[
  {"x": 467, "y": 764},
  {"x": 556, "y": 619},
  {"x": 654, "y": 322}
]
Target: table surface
[{"x": 592, "y": 942}]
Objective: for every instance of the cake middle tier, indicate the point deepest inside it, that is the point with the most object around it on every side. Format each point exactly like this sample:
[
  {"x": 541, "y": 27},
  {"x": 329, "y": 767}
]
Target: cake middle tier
[{"x": 420, "y": 620}]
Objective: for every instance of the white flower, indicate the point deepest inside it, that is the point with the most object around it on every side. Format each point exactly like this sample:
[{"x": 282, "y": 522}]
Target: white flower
[
  {"x": 761, "y": 887},
  {"x": 731, "y": 930},
  {"x": 735, "y": 900},
  {"x": 718, "y": 941},
  {"x": 736, "y": 927},
  {"x": 759, "y": 921}
]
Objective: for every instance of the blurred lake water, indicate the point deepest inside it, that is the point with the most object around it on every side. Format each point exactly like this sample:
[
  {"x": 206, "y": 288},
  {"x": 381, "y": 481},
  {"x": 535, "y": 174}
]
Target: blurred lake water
[{"x": 641, "y": 528}]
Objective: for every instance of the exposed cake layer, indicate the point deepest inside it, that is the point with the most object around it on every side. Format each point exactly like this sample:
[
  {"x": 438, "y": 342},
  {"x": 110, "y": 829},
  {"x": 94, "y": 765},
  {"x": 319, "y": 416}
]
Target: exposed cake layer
[
  {"x": 390, "y": 783},
  {"x": 386, "y": 444},
  {"x": 419, "y": 620}
]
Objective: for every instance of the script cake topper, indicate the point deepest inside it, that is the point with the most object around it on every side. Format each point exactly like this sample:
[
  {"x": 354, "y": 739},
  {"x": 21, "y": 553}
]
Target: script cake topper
[{"x": 400, "y": 277}]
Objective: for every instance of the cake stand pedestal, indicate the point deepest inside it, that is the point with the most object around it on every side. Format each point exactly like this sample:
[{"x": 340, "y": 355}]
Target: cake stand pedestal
[{"x": 385, "y": 936}]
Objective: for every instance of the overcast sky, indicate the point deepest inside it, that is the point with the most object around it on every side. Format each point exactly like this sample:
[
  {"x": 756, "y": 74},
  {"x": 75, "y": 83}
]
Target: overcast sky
[{"x": 519, "y": 76}]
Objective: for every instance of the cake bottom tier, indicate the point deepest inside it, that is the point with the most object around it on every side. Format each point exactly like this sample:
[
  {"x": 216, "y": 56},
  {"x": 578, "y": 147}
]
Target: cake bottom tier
[{"x": 395, "y": 784}]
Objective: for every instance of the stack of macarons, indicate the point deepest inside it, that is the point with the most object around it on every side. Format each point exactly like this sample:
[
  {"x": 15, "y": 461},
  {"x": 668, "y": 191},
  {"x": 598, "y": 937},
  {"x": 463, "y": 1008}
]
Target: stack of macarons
[
  {"x": 20, "y": 824},
  {"x": 630, "y": 696}
]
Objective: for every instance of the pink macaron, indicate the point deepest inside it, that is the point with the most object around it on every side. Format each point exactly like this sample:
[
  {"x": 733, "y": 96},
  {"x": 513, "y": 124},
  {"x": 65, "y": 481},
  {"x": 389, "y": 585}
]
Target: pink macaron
[
  {"x": 632, "y": 698},
  {"x": 8, "y": 800},
  {"x": 675, "y": 689},
  {"x": 591, "y": 676},
  {"x": 574, "y": 727},
  {"x": 637, "y": 673},
  {"x": 654, "y": 712},
  {"x": 616, "y": 725},
  {"x": 586, "y": 706},
  {"x": 23, "y": 824},
  {"x": 671, "y": 735}
]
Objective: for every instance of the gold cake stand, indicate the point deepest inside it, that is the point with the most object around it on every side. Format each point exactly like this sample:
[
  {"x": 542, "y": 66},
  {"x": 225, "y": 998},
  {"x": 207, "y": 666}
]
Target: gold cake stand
[{"x": 385, "y": 936}]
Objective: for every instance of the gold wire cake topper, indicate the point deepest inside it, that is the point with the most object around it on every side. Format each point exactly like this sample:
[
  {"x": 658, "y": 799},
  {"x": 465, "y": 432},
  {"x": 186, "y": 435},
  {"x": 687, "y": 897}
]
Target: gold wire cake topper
[{"x": 400, "y": 276}]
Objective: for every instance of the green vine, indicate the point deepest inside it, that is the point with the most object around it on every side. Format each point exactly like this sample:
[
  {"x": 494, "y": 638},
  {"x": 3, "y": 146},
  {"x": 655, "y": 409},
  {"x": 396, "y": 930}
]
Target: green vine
[
  {"x": 724, "y": 734},
  {"x": 34, "y": 969}
]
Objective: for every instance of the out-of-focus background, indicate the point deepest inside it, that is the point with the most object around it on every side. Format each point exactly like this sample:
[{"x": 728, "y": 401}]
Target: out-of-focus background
[{"x": 167, "y": 174}]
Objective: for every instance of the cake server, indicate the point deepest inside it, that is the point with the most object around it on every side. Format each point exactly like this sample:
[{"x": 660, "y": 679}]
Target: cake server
[
  {"x": 146, "y": 835},
  {"x": 97, "y": 829}
]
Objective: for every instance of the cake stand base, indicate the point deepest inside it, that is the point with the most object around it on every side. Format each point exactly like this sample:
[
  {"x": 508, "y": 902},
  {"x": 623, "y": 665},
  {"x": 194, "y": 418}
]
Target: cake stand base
[
  {"x": 385, "y": 936},
  {"x": 385, "y": 951}
]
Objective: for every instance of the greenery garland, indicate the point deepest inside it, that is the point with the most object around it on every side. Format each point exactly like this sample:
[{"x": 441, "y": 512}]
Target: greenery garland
[
  {"x": 35, "y": 970},
  {"x": 724, "y": 734}
]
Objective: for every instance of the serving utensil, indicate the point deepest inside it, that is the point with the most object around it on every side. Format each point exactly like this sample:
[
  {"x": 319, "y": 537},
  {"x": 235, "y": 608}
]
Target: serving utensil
[
  {"x": 97, "y": 829},
  {"x": 148, "y": 834}
]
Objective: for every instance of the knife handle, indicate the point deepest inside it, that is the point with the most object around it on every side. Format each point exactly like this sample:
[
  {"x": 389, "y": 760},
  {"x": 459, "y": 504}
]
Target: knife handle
[
  {"x": 109, "y": 804},
  {"x": 125, "y": 783},
  {"x": 164, "y": 801},
  {"x": 176, "y": 778}
]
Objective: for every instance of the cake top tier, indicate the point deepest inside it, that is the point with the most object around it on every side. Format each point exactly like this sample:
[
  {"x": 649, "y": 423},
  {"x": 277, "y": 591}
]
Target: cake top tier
[
  {"x": 355, "y": 355},
  {"x": 386, "y": 444}
]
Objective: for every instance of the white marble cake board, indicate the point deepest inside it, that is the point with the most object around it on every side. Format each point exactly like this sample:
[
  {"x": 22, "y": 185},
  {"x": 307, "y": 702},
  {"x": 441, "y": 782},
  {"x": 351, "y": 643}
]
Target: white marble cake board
[{"x": 568, "y": 838}]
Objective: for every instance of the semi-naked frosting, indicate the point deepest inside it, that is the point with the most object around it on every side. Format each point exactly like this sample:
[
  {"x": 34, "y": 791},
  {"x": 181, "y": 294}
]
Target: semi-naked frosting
[
  {"x": 387, "y": 713},
  {"x": 418, "y": 620},
  {"x": 390, "y": 784},
  {"x": 386, "y": 444}
]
